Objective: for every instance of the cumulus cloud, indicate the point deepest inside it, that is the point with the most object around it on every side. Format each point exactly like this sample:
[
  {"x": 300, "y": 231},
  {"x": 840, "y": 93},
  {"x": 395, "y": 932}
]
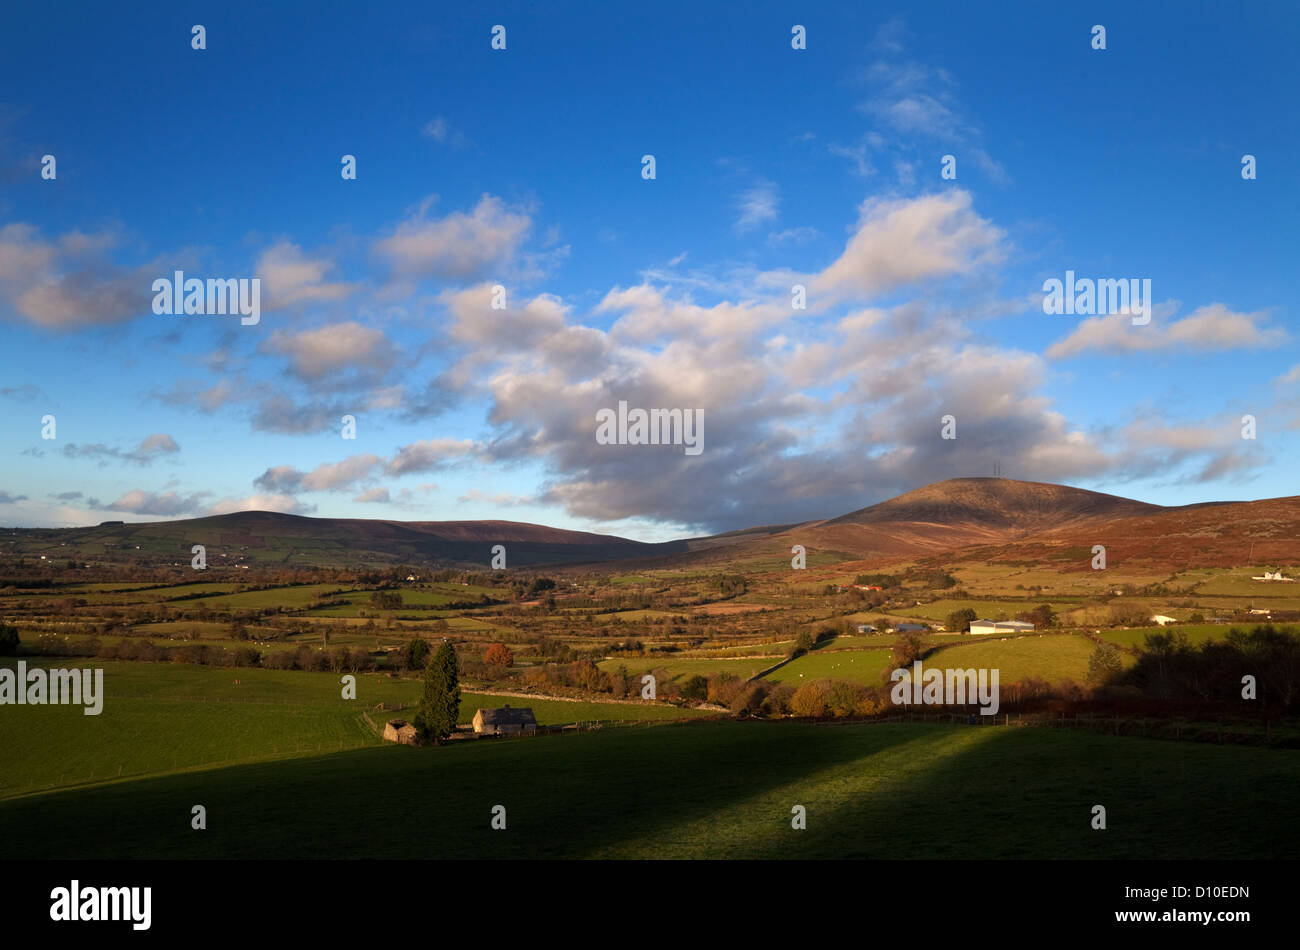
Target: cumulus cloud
[
  {"x": 70, "y": 282},
  {"x": 330, "y": 476},
  {"x": 152, "y": 447},
  {"x": 168, "y": 504},
  {"x": 903, "y": 242},
  {"x": 429, "y": 455},
  {"x": 334, "y": 351},
  {"x": 455, "y": 247},
  {"x": 1212, "y": 327},
  {"x": 8, "y": 499},
  {"x": 289, "y": 277}
]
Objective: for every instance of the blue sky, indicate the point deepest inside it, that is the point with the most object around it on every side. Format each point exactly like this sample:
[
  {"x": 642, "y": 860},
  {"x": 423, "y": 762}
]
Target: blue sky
[{"x": 522, "y": 167}]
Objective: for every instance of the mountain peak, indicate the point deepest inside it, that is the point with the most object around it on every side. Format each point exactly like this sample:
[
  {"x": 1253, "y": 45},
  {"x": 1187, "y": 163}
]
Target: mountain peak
[{"x": 998, "y": 503}]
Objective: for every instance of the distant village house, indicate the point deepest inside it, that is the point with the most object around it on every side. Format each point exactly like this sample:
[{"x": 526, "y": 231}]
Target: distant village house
[{"x": 505, "y": 721}]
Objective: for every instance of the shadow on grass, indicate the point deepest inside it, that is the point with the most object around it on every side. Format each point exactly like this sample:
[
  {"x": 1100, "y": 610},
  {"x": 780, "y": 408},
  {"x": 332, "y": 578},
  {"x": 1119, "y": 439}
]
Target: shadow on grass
[{"x": 702, "y": 790}]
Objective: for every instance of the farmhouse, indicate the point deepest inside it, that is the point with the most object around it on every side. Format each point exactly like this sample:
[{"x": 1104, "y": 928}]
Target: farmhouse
[
  {"x": 399, "y": 730},
  {"x": 1000, "y": 626},
  {"x": 1162, "y": 620},
  {"x": 504, "y": 721},
  {"x": 1273, "y": 576}
]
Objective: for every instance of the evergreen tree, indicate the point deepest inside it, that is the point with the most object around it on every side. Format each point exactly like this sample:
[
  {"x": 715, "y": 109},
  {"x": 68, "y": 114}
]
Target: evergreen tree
[{"x": 440, "y": 703}]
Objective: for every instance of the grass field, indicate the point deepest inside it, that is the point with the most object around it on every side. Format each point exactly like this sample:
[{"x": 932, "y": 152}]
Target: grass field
[
  {"x": 859, "y": 666},
  {"x": 984, "y": 609},
  {"x": 1052, "y": 657},
  {"x": 707, "y": 790},
  {"x": 161, "y": 717},
  {"x": 678, "y": 668}
]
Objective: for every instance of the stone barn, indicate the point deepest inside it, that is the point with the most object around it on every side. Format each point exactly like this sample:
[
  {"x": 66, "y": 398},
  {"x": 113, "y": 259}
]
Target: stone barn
[
  {"x": 399, "y": 730},
  {"x": 504, "y": 721}
]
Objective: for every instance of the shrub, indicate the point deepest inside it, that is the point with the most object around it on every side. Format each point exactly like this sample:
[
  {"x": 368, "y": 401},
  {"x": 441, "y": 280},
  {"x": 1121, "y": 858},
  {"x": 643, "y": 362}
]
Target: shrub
[
  {"x": 8, "y": 640},
  {"x": 810, "y": 699},
  {"x": 908, "y": 650},
  {"x": 695, "y": 688},
  {"x": 499, "y": 655}
]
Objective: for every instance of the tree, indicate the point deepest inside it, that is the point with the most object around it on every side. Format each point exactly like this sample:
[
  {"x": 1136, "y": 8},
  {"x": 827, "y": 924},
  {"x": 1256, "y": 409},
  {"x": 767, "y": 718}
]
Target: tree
[
  {"x": 696, "y": 688},
  {"x": 1041, "y": 617},
  {"x": 500, "y": 656},
  {"x": 8, "y": 640},
  {"x": 959, "y": 620},
  {"x": 416, "y": 654},
  {"x": 908, "y": 650},
  {"x": 1103, "y": 665},
  {"x": 440, "y": 702},
  {"x": 803, "y": 643},
  {"x": 386, "y": 600}
]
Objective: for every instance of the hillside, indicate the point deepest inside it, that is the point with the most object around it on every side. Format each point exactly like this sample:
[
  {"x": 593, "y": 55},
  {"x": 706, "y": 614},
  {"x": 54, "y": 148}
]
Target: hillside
[
  {"x": 264, "y": 537},
  {"x": 983, "y": 518},
  {"x": 997, "y": 504}
]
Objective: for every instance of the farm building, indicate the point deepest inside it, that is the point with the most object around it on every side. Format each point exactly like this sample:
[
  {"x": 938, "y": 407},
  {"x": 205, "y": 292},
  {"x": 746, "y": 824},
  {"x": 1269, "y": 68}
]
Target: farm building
[
  {"x": 866, "y": 628},
  {"x": 504, "y": 721},
  {"x": 1162, "y": 620},
  {"x": 1000, "y": 626},
  {"x": 1273, "y": 576},
  {"x": 399, "y": 730},
  {"x": 912, "y": 628}
]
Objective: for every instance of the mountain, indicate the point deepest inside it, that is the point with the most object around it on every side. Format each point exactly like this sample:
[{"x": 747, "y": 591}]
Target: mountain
[
  {"x": 961, "y": 518},
  {"x": 270, "y": 537}
]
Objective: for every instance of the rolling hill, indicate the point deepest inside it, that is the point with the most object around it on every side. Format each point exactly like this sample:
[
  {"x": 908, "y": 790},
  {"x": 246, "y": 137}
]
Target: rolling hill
[
  {"x": 986, "y": 518},
  {"x": 292, "y": 540}
]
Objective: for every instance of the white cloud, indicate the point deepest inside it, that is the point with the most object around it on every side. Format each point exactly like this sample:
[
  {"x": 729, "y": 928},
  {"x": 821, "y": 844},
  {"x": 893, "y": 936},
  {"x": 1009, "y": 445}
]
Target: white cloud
[
  {"x": 289, "y": 277},
  {"x": 903, "y": 242},
  {"x": 457, "y": 246},
  {"x": 757, "y": 206},
  {"x": 335, "y": 349},
  {"x": 1212, "y": 327}
]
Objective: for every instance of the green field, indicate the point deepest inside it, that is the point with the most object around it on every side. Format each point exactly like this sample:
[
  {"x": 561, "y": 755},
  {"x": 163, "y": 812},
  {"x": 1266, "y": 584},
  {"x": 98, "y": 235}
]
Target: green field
[
  {"x": 680, "y": 667},
  {"x": 984, "y": 609},
  {"x": 708, "y": 790},
  {"x": 858, "y": 666},
  {"x": 1196, "y": 633},
  {"x": 160, "y": 717},
  {"x": 1052, "y": 657}
]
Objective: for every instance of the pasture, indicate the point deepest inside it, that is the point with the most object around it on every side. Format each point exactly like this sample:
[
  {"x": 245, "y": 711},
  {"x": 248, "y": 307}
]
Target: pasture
[
  {"x": 163, "y": 717},
  {"x": 1051, "y": 656},
  {"x": 698, "y": 791},
  {"x": 858, "y": 666}
]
